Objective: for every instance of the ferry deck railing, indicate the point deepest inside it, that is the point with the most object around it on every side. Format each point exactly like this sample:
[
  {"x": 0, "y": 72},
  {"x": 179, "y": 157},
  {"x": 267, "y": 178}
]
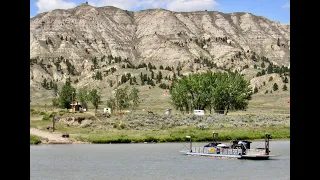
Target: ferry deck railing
[{"x": 211, "y": 150}]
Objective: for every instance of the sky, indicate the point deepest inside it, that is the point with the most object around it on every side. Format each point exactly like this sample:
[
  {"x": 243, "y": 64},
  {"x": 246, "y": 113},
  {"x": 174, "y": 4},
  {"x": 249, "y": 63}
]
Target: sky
[{"x": 276, "y": 10}]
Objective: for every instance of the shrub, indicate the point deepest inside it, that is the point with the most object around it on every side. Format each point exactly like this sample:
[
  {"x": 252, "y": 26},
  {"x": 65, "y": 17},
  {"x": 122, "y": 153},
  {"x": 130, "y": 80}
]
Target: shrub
[
  {"x": 34, "y": 139},
  {"x": 46, "y": 117}
]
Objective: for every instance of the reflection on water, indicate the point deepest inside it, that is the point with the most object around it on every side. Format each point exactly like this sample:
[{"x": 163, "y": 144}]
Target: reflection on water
[{"x": 151, "y": 161}]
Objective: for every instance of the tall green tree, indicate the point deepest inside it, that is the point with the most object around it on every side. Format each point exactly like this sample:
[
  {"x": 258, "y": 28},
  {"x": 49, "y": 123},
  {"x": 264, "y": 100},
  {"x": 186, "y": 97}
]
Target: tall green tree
[
  {"x": 179, "y": 99},
  {"x": 95, "y": 98},
  {"x": 67, "y": 94},
  {"x": 236, "y": 92},
  {"x": 220, "y": 91},
  {"x": 123, "y": 98},
  {"x": 126, "y": 99},
  {"x": 83, "y": 97},
  {"x": 111, "y": 103},
  {"x": 134, "y": 97}
]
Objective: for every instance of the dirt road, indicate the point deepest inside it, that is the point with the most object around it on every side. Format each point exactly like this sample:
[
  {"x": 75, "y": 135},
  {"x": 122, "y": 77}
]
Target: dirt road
[{"x": 50, "y": 137}]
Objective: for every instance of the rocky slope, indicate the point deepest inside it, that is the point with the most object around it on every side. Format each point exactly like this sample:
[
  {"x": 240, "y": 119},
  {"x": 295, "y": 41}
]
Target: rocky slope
[{"x": 64, "y": 43}]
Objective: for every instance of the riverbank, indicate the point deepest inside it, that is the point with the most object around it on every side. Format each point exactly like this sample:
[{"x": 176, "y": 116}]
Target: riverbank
[
  {"x": 277, "y": 133},
  {"x": 179, "y": 135},
  {"x": 34, "y": 139},
  {"x": 47, "y": 137},
  {"x": 139, "y": 128}
]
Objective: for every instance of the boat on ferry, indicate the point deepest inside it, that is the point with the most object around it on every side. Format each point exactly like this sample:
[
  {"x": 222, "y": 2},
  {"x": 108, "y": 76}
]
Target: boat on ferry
[{"x": 238, "y": 148}]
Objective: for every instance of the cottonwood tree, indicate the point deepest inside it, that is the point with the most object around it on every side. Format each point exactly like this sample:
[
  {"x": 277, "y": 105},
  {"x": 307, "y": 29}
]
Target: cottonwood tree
[
  {"x": 232, "y": 92},
  {"x": 220, "y": 91},
  {"x": 95, "y": 99},
  {"x": 111, "y": 103},
  {"x": 67, "y": 94},
  {"x": 125, "y": 99},
  {"x": 83, "y": 96},
  {"x": 134, "y": 97}
]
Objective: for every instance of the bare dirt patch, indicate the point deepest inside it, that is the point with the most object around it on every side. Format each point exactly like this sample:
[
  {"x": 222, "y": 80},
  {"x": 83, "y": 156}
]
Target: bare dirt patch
[
  {"x": 50, "y": 137},
  {"x": 36, "y": 118}
]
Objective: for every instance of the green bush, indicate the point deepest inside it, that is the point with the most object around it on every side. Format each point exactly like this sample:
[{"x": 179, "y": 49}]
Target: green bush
[
  {"x": 34, "y": 139},
  {"x": 52, "y": 114},
  {"x": 46, "y": 117},
  {"x": 122, "y": 126}
]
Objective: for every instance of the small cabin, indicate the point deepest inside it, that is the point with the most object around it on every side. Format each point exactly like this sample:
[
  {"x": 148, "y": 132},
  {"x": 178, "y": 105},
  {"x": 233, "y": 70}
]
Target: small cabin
[{"x": 76, "y": 106}]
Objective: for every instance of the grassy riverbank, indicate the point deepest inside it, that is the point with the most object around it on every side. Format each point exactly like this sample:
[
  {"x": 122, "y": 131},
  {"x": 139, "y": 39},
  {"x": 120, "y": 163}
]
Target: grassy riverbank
[
  {"x": 179, "y": 135},
  {"x": 35, "y": 139},
  {"x": 174, "y": 134},
  {"x": 157, "y": 127}
]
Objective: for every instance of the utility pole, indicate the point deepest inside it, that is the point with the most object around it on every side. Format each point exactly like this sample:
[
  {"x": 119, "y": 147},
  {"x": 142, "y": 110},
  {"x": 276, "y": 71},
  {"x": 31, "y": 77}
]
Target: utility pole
[{"x": 117, "y": 94}]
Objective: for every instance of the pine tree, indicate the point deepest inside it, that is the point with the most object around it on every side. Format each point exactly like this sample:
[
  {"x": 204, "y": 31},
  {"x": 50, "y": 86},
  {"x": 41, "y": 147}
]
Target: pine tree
[
  {"x": 44, "y": 84},
  {"x": 258, "y": 74},
  {"x": 123, "y": 79},
  {"x": 141, "y": 76},
  {"x": 270, "y": 78},
  {"x": 275, "y": 86},
  {"x": 270, "y": 69},
  {"x": 284, "y": 88},
  {"x": 149, "y": 66}
]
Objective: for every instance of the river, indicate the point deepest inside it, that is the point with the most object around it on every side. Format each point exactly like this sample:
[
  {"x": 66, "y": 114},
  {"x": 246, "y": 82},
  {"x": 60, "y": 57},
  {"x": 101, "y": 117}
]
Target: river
[{"x": 151, "y": 161}]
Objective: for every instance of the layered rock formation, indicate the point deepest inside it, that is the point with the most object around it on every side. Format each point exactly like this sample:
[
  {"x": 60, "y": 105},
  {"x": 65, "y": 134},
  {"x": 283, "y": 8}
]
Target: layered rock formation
[{"x": 73, "y": 37}]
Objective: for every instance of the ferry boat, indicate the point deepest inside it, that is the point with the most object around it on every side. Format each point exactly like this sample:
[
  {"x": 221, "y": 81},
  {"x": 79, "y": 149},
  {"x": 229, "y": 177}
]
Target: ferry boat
[{"x": 238, "y": 148}]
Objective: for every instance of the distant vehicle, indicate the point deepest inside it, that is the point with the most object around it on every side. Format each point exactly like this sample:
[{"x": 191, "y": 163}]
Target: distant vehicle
[{"x": 65, "y": 135}]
